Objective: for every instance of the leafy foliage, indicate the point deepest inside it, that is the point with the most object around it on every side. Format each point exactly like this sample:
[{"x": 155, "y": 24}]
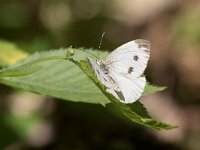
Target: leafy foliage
[{"x": 62, "y": 79}]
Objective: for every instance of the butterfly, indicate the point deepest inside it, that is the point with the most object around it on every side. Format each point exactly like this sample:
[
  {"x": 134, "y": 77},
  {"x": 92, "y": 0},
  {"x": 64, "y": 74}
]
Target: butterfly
[{"x": 122, "y": 72}]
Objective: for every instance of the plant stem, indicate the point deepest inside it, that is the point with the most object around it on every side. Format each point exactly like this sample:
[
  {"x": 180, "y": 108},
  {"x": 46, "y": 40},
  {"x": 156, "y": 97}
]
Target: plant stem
[{"x": 44, "y": 59}]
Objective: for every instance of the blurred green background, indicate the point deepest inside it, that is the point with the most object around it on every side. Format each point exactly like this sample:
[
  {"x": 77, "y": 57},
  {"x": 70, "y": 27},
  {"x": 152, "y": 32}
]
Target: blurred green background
[{"x": 31, "y": 121}]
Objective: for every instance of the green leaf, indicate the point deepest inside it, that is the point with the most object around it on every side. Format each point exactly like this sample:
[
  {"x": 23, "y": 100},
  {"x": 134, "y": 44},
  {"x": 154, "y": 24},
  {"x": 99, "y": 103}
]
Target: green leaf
[
  {"x": 10, "y": 54},
  {"x": 57, "y": 78},
  {"x": 63, "y": 79},
  {"x": 136, "y": 111}
]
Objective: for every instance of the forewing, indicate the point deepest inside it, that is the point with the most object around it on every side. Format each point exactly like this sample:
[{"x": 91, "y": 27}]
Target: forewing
[{"x": 130, "y": 59}]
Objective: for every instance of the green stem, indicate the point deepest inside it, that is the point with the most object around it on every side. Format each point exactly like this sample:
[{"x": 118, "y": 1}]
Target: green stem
[
  {"x": 27, "y": 68},
  {"x": 44, "y": 59}
]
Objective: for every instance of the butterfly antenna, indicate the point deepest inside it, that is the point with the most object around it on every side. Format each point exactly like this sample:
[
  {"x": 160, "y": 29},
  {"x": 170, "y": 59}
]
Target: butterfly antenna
[{"x": 100, "y": 43}]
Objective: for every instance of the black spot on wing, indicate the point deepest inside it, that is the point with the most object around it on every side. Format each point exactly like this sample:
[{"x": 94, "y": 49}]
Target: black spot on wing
[
  {"x": 135, "y": 58},
  {"x": 98, "y": 72},
  {"x": 105, "y": 79},
  {"x": 130, "y": 69},
  {"x": 143, "y": 44},
  {"x": 120, "y": 95}
]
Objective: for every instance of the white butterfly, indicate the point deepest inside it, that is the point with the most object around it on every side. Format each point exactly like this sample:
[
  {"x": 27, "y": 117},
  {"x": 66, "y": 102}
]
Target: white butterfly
[{"x": 122, "y": 71}]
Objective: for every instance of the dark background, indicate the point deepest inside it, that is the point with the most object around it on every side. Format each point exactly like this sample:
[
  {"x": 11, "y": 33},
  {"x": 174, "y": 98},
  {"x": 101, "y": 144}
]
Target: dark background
[{"x": 30, "y": 121}]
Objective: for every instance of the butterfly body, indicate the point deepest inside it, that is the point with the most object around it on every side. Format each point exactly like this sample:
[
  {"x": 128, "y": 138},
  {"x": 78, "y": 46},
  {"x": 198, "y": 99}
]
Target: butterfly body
[
  {"x": 122, "y": 71},
  {"x": 103, "y": 66}
]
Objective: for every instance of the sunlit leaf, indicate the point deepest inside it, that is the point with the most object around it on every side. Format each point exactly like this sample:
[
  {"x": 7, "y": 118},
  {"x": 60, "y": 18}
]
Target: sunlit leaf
[
  {"x": 10, "y": 54},
  {"x": 63, "y": 79}
]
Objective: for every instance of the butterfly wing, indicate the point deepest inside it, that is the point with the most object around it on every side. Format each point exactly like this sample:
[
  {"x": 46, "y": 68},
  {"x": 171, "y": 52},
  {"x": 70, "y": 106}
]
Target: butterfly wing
[
  {"x": 130, "y": 59},
  {"x": 126, "y": 66}
]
